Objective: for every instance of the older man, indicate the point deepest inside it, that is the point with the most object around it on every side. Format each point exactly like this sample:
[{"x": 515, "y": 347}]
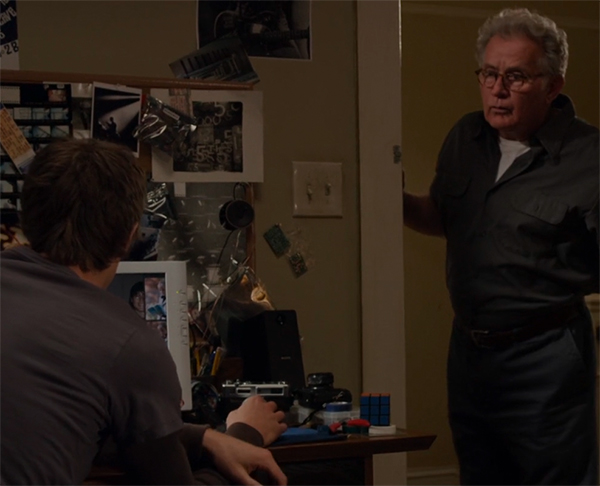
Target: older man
[{"x": 516, "y": 197}]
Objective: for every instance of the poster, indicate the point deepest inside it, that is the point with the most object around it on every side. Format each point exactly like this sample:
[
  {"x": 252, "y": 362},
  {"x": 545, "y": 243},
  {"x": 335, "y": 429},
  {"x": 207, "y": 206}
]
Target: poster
[
  {"x": 115, "y": 114},
  {"x": 267, "y": 28},
  {"x": 227, "y": 144},
  {"x": 9, "y": 39},
  {"x": 224, "y": 59}
]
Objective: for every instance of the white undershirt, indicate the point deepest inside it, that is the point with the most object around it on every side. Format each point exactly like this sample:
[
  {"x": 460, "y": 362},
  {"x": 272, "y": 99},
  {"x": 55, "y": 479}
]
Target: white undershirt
[{"x": 510, "y": 149}]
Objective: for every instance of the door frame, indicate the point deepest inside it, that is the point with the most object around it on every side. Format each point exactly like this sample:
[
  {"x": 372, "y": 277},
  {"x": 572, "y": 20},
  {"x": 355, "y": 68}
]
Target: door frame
[{"x": 379, "y": 50}]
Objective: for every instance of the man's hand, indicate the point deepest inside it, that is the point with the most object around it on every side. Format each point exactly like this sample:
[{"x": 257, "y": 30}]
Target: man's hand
[
  {"x": 236, "y": 459},
  {"x": 261, "y": 415}
]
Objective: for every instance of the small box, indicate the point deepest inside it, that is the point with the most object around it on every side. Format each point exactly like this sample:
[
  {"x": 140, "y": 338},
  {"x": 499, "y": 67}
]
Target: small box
[
  {"x": 324, "y": 417},
  {"x": 334, "y": 417}
]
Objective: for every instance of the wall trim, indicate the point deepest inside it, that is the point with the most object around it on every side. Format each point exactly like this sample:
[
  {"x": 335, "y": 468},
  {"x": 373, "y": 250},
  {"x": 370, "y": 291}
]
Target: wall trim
[
  {"x": 381, "y": 259},
  {"x": 432, "y": 476},
  {"x": 593, "y": 302},
  {"x": 480, "y": 13}
]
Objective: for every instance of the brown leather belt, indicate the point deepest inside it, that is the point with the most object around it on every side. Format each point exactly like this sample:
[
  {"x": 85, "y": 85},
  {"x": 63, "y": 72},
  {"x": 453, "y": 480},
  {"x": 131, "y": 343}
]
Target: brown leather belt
[{"x": 536, "y": 326}]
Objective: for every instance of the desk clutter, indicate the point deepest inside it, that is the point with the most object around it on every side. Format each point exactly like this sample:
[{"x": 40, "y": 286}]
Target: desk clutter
[
  {"x": 375, "y": 407},
  {"x": 271, "y": 366},
  {"x": 314, "y": 413},
  {"x": 200, "y": 144}
]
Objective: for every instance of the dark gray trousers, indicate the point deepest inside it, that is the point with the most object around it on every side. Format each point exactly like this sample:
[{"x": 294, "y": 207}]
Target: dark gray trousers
[{"x": 526, "y": 414}]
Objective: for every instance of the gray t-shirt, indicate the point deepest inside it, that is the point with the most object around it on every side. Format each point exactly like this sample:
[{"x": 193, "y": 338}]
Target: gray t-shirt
[{"x": 78, "y": 366}]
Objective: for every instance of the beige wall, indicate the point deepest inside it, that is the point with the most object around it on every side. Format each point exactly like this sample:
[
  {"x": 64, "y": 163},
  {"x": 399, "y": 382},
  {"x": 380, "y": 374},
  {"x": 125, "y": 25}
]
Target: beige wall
[
  {"x": 438, "y": 87},
  {"x": 310, "y": 115}
]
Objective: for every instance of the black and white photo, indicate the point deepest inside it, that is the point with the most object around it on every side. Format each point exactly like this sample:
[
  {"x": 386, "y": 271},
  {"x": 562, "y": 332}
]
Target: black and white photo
[
  {"x": 267, "y": 28},
  {"x": 115, "y": 114},
  {"x": 81, "y": 105},
  {"x": 217, "y": 140},
  {"x": 226, "y": 144}
]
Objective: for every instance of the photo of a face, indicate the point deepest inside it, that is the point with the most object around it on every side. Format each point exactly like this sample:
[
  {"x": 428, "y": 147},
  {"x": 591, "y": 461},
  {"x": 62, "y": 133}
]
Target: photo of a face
[
  {"x": 146, "y": 296},
  {"x": 57, "y": 95},
  {"x": 137, "y": 299}
]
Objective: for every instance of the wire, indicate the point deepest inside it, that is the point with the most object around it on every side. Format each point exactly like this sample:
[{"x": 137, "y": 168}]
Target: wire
[
  {"x": 310, "y": 416},
  {"x": 224, "y": 245}
]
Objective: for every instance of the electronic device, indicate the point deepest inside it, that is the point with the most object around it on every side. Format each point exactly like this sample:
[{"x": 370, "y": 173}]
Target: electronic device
[
  {"x": 156, "y": 290},
  {"x": 247, "y": 389},
  {"x": 320, "y": 391},
  {"x": 233, "y": 393},
  {"x": 270, "y": 348}
]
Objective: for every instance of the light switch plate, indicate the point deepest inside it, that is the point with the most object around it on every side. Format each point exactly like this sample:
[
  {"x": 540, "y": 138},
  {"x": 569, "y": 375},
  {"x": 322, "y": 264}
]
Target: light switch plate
[{"x": 317, "y": 189}]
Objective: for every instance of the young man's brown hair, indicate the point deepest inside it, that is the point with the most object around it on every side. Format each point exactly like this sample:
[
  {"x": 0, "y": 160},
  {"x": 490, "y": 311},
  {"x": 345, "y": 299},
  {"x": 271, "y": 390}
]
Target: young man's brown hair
[{"x": 81, "y": 200}]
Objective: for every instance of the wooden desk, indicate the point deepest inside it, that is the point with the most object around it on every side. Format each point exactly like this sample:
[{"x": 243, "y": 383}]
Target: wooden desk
[{"x": 357, "y": 448}]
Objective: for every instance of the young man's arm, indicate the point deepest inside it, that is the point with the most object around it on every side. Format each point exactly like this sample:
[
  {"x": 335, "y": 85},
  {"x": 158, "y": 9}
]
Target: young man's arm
[
  {"x": 159, "y": 461},
  {"x": 256, "y": 417},
  {"x": 165, "y": 460},
  {"x": 235, "y": 459}
]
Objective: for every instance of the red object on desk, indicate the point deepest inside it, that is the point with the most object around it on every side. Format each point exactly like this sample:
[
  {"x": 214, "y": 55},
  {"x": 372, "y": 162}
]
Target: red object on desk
[{"x": 358, "y": 423}]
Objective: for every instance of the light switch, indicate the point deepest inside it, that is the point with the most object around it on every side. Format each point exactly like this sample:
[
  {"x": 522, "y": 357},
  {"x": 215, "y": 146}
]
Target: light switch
[{"x": 317, "y": 189}]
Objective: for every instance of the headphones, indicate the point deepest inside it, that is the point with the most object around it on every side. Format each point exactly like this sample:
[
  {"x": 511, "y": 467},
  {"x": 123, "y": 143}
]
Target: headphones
[{"x": 237, "y": 213}]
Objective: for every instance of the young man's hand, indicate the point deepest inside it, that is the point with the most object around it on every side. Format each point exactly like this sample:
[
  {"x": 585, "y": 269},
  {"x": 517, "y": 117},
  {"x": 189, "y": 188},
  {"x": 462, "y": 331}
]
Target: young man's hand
[
  {"x": 261, "y": 415},
  {"x": 237, "y": 460}
]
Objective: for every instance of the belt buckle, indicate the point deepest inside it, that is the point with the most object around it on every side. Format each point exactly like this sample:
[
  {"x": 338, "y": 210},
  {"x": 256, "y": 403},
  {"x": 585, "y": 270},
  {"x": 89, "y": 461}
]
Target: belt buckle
[{"x": 476, "y": 334}]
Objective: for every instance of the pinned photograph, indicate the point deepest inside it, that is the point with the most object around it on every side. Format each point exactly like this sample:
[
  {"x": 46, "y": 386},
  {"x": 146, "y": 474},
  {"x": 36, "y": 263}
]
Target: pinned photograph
[
  {"x": 81, "y": 103},
  {"x": 225, "y": 144},
  {"x": 115, "y": 114},
  {"x": 267, "y": 28}
]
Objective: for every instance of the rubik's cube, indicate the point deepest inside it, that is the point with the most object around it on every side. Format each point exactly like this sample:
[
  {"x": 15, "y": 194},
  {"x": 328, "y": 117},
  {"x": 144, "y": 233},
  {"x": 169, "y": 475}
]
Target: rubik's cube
[{"x": 375, "y": 407}]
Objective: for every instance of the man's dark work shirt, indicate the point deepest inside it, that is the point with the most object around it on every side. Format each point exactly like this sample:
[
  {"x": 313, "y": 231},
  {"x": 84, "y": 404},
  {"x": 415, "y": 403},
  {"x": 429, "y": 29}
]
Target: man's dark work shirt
[{"x": 529, "y": 241}]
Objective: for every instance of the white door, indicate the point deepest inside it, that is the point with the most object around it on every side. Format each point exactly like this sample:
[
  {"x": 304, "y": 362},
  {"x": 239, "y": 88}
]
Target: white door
[{"x": 382, "y": 279}]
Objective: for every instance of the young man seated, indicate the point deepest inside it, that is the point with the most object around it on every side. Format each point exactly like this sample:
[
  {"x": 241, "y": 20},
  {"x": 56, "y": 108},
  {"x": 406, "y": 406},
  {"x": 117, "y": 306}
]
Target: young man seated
[{"x": 78, "y": 365}]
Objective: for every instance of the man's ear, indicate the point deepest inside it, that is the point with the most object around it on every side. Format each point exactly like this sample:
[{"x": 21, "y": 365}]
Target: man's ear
[
  {"x": 133, "y": 235},
  {"x": 555, "y": 86}
]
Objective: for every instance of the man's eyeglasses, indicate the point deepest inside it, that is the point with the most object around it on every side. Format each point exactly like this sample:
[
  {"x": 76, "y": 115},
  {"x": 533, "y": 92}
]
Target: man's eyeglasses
[{"x": 513, "y": 81}]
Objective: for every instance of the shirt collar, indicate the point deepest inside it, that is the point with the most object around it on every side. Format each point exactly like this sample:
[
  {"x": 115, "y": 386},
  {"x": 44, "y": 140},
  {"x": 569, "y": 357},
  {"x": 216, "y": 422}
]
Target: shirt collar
[
  {"x": 27, "y": 254},
  {"x": 551, "y": 134}
]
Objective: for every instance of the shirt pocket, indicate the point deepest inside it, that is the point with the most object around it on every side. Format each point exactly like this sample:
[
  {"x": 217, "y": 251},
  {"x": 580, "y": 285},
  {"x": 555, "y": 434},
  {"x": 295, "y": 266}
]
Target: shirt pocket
[
  {"x": 453, "y": 191},
  {"x": 534, "y": 226},
  {"x": 454, "y": 185},
  {"x": 541, "y": 207}
]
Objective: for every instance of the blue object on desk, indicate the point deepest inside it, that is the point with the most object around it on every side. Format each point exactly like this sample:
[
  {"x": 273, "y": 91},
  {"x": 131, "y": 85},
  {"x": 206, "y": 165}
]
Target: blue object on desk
[{"x": 296, "y": 435}]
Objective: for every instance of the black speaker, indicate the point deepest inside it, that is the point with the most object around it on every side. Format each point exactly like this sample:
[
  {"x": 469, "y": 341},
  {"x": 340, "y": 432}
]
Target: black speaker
[{"x": 270, "y": 348}]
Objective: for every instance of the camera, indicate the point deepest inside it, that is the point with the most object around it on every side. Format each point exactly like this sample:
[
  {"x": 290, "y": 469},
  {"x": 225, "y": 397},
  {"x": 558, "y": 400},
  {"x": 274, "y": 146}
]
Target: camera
[
  {"x": 233, "y": 393},
  {"x": 320, "y": 391}
]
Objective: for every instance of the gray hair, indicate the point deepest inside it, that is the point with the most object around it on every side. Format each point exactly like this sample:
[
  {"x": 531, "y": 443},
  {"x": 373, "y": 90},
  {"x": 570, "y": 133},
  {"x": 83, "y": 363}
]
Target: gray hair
[{"x": 540, "y": 29}]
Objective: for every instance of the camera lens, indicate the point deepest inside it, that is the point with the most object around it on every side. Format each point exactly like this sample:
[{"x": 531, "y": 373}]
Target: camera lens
[{"x": 320, "y": 379}]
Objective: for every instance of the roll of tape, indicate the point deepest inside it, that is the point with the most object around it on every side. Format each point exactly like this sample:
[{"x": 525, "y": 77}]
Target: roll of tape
[{"x": 338, "y": 407}]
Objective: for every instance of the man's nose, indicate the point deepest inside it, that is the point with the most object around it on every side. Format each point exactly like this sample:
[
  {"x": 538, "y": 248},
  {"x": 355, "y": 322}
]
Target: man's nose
[{"x": 499, "y": 89}]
